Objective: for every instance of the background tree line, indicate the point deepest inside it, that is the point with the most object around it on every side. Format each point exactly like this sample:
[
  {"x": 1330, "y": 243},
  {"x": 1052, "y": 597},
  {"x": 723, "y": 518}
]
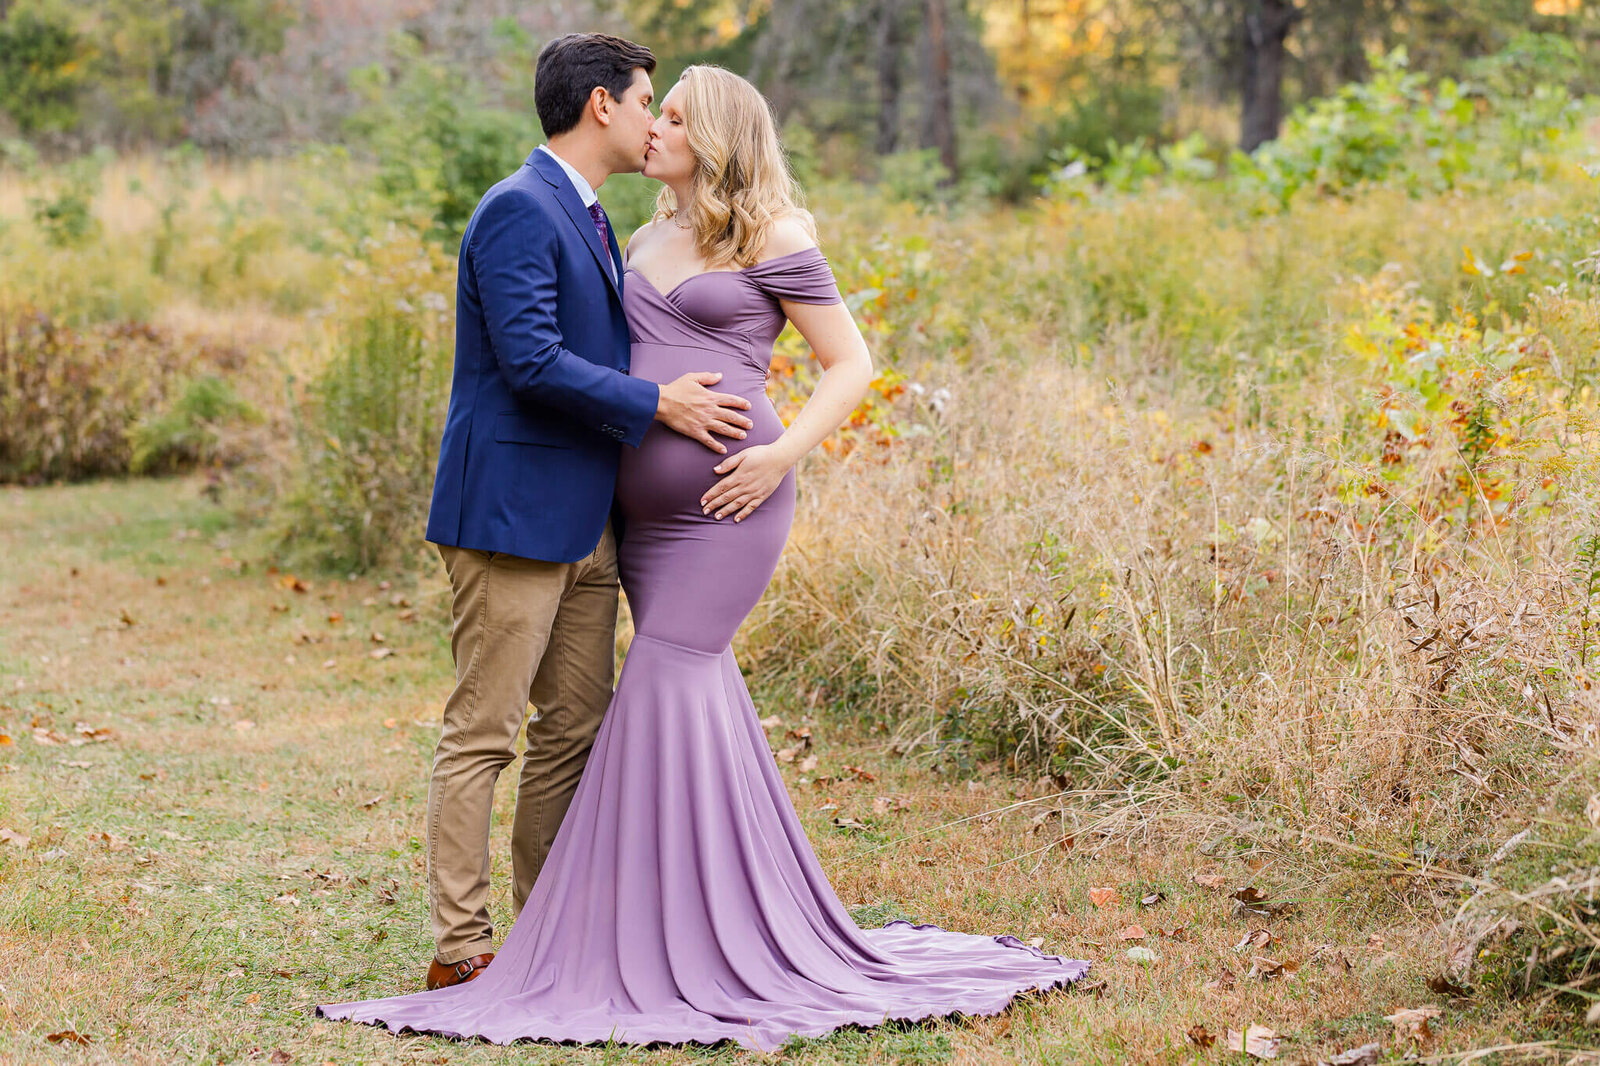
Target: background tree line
[{"x": 993, "y": 88}]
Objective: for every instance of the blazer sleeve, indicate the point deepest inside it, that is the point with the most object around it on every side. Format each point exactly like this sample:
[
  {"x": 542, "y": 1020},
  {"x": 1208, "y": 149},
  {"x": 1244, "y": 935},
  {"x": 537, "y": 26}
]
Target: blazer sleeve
[{"x": 514, "y": 253}]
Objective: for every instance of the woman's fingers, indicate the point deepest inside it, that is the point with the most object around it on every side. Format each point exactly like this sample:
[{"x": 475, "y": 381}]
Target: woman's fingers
[{"x": 744, "y": 501}]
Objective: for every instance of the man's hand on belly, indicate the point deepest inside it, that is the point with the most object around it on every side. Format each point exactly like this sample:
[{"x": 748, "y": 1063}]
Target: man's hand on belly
[{"x": 688, "y": 407}]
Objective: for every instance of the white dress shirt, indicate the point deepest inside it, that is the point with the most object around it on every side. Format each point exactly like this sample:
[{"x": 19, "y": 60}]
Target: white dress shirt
[{"x": 585, "y": 193}]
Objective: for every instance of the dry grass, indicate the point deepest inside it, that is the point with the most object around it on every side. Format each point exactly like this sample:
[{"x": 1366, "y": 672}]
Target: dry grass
[{"x": 244, "y": 875}]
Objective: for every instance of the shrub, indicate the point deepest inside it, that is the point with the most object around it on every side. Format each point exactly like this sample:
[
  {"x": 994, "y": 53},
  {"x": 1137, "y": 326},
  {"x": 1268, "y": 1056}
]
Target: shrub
[
  {"x": 70, "y": 399},
  {"x": 186, "y": 434},
  {"x": 368, "y": 432}
]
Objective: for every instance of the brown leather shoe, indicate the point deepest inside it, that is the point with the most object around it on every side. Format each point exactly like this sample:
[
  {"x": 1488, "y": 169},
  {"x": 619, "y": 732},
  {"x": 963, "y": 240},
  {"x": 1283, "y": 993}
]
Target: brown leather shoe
[{"x": 443, "y": 976}]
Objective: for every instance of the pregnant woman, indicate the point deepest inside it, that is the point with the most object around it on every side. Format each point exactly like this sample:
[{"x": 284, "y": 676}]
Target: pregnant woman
[{"x": 681, "y": 900}]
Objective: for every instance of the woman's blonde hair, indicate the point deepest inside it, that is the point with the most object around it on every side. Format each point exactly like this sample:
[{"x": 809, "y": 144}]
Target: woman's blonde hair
[{"x": 741, "y": 183}]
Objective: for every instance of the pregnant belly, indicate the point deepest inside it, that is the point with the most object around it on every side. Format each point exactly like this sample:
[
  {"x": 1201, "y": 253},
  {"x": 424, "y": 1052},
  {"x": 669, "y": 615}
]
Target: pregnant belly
[{"x": 665, "y": 476}]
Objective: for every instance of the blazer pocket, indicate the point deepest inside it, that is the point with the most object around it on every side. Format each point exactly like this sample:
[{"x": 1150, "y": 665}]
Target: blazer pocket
[{"x": 514, "y": 427}]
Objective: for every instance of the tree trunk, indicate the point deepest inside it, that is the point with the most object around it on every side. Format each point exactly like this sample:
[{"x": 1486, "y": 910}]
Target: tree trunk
[
  {"x": 939, "y": 126},
  {"x": 1263, "y": 32},
  {"x": 890, "y": 43}
]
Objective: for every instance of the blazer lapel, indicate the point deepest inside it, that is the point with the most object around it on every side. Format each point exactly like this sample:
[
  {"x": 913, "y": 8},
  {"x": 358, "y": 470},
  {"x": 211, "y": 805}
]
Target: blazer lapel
[{"x": 568, "y": 198}]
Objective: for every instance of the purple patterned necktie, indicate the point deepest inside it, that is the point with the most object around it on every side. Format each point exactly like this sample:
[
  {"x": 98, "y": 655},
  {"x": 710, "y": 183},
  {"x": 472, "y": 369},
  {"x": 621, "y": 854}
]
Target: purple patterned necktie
[{"x": 598, "y": 213}]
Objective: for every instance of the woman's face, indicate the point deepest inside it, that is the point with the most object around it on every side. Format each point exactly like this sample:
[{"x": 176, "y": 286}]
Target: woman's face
[{"x": 669, "y": 158}]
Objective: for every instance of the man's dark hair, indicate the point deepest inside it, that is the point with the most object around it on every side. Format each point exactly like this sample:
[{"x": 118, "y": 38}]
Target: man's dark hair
[{"x": 572, "y": 65}]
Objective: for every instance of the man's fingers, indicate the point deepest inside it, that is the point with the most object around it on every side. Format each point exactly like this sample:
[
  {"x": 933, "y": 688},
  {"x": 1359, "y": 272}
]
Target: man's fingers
[
  {"x": 707, "y": 377},
  {"x": 725, "y": 399},
  {"x": 711, "y": 442},
  {"x": 727, "y": 429}
]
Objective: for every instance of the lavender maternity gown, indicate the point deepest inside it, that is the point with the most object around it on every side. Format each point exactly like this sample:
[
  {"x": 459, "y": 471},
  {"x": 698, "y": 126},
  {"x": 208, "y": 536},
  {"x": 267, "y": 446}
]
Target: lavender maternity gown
[{"x": 681, "y": 900}]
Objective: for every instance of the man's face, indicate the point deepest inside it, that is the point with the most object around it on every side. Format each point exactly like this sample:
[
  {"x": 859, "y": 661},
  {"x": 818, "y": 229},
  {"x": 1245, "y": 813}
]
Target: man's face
[{"x": 629, "y": 132}]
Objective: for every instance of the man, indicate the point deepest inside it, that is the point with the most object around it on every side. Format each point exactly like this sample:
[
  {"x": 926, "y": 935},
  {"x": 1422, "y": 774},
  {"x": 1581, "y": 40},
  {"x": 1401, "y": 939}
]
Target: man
[{"x": 540, "y": 405}]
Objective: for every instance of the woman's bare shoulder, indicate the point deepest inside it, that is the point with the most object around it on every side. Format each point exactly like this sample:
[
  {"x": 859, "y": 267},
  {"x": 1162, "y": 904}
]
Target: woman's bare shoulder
[
  {"x": 639, "y": 239},
  {"x": 790, "y": 233}
]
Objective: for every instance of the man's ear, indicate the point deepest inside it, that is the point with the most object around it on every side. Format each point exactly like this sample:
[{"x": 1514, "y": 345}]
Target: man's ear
[{"x": 600, "y": 105}]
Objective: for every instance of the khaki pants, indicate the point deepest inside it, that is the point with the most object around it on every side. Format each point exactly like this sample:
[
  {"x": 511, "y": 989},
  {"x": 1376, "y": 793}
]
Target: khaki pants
[{"x": 523, "y": 631}]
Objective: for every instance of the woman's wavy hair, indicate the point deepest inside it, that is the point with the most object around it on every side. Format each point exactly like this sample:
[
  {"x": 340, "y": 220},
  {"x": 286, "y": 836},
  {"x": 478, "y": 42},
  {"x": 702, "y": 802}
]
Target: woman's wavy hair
[{"x": 741, "y": 183}]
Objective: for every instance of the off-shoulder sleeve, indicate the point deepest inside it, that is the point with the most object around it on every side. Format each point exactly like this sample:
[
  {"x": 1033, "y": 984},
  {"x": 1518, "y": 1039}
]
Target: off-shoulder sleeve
[{"x": 802, "y": 276}]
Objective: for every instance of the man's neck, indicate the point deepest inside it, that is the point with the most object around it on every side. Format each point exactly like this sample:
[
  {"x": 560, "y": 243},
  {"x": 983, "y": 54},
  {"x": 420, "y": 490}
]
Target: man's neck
[{"x": 584, "y": 162}]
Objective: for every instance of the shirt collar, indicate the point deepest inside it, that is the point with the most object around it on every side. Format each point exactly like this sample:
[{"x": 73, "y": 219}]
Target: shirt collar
[{"x": 585, "y": 192}]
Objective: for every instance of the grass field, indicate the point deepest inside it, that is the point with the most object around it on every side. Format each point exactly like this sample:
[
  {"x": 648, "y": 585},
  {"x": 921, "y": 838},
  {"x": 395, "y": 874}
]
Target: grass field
[{"x": 211, "y": 793}]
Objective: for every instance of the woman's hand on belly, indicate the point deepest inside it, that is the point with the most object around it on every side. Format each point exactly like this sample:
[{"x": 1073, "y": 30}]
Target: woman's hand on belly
[{"x": 750, "y": 477}]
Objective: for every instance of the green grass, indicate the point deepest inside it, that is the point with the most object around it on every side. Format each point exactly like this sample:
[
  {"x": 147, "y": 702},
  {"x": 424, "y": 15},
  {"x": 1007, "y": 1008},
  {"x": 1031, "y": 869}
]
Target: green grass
[{"x": 245, "y": 877}]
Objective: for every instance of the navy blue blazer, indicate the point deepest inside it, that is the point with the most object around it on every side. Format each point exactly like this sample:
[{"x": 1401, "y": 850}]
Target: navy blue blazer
[{"x": 540, "y": 399}]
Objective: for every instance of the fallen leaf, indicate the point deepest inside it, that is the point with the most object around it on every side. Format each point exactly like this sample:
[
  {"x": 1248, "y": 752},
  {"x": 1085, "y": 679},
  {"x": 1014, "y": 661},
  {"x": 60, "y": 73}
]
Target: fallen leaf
[
  {"x": 279, "y": 1057},
  {"x": 1365, "y": 1055},
  {"x": 380, "y": 653},
  {"x": 808, "y": 764},
  {"x": 126, "y": 619},
  {"x": 1213, "y": 881},
  {"x": 1096, "y": 987},
  {"x": 1143, "y": 956},
  {"x": 772, "y": 721},
  {"x": 787, "y": 754},
  {"x": 1103, "y": 896},
  {"x": 886, "y": 804},
  {"x": 98, "y": 735},
  {"x": 289, "y": 581},
  {"x": 390, "y": 723},
  {"x": 11, "y": 836},
  {"x": 5, "y": 740},
  {"x": 371, "y": 803},
  {"x": 1257, "y": 1041},
  {"x": 407, "y": 616},
  {"x": 1266, "y": 968},
  {"x": 254, "y": 997},
  {"x": 397, "y": 600},
  {"x": 1199, "y": 1036},
  {"x": 334, "y": 618},
  {"x": 67, "y": 1036},
  {"x": 1175, "y": 933},
  {"x": 1413, "y": 1022},
  {"x": 1132, "y": 932},
  {"x": 1255, "y": 939},
  {"x": 1150, "y": 899},
  {"x": 111, "y": 841},
  {"x": 849, "y": 823},
  {"x": 1443, "y": 986},
  {"x": 375, "y": 637},
  {"x": 1221, "y": 983}
]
